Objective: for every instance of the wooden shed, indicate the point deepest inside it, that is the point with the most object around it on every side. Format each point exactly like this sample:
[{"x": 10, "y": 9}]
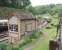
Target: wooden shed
[{"x": 20, "y": 25}]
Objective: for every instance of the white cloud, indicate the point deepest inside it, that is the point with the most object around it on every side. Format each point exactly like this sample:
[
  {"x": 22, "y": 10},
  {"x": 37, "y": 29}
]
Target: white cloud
[{"x": 44, "y": 2}]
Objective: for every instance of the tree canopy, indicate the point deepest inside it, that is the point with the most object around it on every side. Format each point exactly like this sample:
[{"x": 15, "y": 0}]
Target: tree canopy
[
  {"x": 15, "y": 3},
  {"x": 51, "y": 9}
]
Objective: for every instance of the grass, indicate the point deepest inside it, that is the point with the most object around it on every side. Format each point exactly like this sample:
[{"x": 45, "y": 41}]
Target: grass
[
  {"x": 44, "y": 45},
  {"x": 31, "y": 41}
]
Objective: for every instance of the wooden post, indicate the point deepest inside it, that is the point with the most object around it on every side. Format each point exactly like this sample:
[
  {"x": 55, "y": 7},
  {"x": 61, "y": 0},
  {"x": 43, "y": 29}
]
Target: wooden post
[{"x": 53, "y": 45}]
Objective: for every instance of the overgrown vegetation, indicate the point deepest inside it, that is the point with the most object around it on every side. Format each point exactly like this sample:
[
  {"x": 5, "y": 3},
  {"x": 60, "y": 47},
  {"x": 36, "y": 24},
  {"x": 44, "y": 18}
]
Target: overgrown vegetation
[
  {"x": 27, "y": 40},
  {"x": 15, "y": 3},
  {"x": 52, "y": 11},
  {"x": 51, "y": 32},
  {"x": 5, "y": 46}
]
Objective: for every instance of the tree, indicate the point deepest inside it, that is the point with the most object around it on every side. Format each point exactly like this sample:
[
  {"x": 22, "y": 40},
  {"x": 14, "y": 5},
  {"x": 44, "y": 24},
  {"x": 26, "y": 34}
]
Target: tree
[
  {"x": 20, "y": 3},
  {"x": 31, "y": 9},
  {"x": 15, "y": 3},
  {"x": 4, "y": 2},
  {"x": 51, "y": 9},
  {"x": 39, "y": 10}
]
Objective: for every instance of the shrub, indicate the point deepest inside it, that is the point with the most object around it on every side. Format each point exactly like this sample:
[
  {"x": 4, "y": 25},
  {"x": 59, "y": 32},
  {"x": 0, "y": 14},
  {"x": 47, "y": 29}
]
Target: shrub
[
  {"x": 35, "y": 34},
  {"x": 3, "y": 46},
  {"x": 52, "y": 24},
  {"x": 55, "y": 25},
  {"x": 49, "y": 21},
  {"x": 48, "y": 27},
  {"x": 15, "y": 48},
  {"x": 27, "y": 40}
]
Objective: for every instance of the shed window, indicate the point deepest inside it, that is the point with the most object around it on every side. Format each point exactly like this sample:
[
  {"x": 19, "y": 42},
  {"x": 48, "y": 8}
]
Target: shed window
[
  {"x": 13, "y": 27},
  {"x": 3, "y": 27}
]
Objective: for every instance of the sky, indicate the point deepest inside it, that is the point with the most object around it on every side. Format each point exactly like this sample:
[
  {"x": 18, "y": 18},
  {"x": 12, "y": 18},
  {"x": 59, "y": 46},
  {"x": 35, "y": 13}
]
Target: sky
[{"x": 45, "y": 2}]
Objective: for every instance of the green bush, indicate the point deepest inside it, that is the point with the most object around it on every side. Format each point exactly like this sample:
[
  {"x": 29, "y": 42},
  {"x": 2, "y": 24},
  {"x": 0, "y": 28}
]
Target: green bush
[
  {"x": 48, "y": 27},
  {"x": 52, "y": 24},
  {"x": 15, "y": 48},
  {"x": 49, "y": 21},
  {"x": 35, "y": 34},
  {"x": 25, "y": 42},
  {"x": 3, "y": 46}
]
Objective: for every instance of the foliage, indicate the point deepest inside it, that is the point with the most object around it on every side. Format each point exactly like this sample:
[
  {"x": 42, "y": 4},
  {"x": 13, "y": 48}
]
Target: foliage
[
  {"x": 38, "y": 10},
  {"x": 51, "y": 9},
  {"x": 27, "y": 40},
  {"x": 51, "y": 34},
  {"x": 31, "y": 9},
  {"x": 15, "y": 48},
  {"x": 15, "y": 3},
  {"x": 4, "y": 46},
  {"x": 36, "y": 34},
  {"x": 5, "y": 12}
]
